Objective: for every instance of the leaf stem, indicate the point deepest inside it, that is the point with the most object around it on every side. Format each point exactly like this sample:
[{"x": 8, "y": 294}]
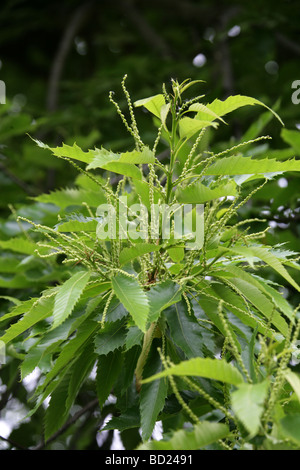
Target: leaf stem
[
  {"x": 148, "y": 337},
  {"x": 172, "y": 152}
]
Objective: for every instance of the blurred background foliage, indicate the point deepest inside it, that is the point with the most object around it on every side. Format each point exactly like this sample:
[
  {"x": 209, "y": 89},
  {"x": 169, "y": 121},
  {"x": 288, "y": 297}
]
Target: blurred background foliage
[{"x": 59, "y": 60}]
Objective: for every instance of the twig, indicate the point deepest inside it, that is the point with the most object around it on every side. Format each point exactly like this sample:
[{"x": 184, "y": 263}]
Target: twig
[
  {"x": 188, "y": 10},
  {"x": 288, "y": 43},
  {"x": 72, "y": 420},
  {"x": 24, "y": 186},
  {"x": 223, "y": 50},
  {"x": 74, "y": 25},
  {"x": 12, "y": 443}
]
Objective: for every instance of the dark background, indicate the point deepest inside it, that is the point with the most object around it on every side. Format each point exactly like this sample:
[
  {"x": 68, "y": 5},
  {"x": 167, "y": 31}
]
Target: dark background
[{"x": 60, "y": 59}]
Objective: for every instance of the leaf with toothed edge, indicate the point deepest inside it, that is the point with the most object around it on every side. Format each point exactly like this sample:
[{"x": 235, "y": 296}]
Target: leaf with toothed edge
[
  {"x": 153, "y": 395},
  {"x": 68, "y": 296},
  {"x": 134, "y": 299}
]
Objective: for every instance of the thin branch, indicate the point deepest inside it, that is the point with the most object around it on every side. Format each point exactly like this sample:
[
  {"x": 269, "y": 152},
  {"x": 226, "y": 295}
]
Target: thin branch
[
  {"x": 76, "y": 21},
  {"x": 24, "y": 186},
  {"x": 188, "y": 10},
  {"x": 288, "y": 43},
  {"x": 12, "y": 443},
  {"x": 147, "y": 32},
  {"x": 222, "y": 51},
  {"x": 92, "y": 404}
]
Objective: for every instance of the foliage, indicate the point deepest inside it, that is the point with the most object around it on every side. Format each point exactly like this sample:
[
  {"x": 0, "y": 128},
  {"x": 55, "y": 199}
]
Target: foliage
[{"x": 193, "y": 334}]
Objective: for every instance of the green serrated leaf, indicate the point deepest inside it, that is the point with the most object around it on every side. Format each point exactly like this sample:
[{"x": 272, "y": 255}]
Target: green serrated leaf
[
  {"x": 14, "y": 300},
  {"x": 127, "y": 420},
  {"x": 152, "y": 395},
  {"x": 184, "y": 329},
  {"x": 200, "y": 107},
  {"x": 19, "y": 281},
  {"x": 79, "y": 373},
  {"x": 44, "y": 346},
  {"x": 290, "y": 427},
  {"x": 153, "y": 104},
  {"x": 236, "y": 305},
  {"x": 77, "y": 224},
  {"x": 31, "y": 361},
  {"x": 68, "y": 296},
  {"x": 19, "y": 245},
  {"x": 143, "y": 190},
  {"x": 292, "y": 138},
  {"x": 126, "y": 169},
  {"x": 264, "y": 254},
  {"x": 128, "y": 254},
  {"x": 138, "y": 157},
  {"x": 198, "y": 193},
  {"x": 278, "y": 299},
  {"x": 176, "y": 253},
  {"x": 123, "y": 164},
  {"x": 9, "y": 265},
  {"x": 111, "y": 337},
  {"x": 40, "y": 310},
  {"x": 20, "y": 309},
  {"x": 134, "y": 337},
  {"x": 261, "y": 284},
  {"x": 234, "y": 102},
  {"x": 85, "y": 333},
  {"x": 294, "y": 381},
  {"x": 73, "y": 197},
  {"x": 161, "y": 296},
  {"x": 164, "y": 111},
  {"x": 216, "y": 369},
  {"x": 247, "y": 403},
  {"x": 261, "y": 302},
  {"x": 202, "y": 435},
  {"x": 56, "y": 413},
  {"x": 68, "y": 151},
  {"x": 100, "y": 157},
  {"x": 239, "y": 165},
  {"x": 134, "y": 299},
  {"x": 188, "y": 126},
  {"x": 108, "y": 369}
]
